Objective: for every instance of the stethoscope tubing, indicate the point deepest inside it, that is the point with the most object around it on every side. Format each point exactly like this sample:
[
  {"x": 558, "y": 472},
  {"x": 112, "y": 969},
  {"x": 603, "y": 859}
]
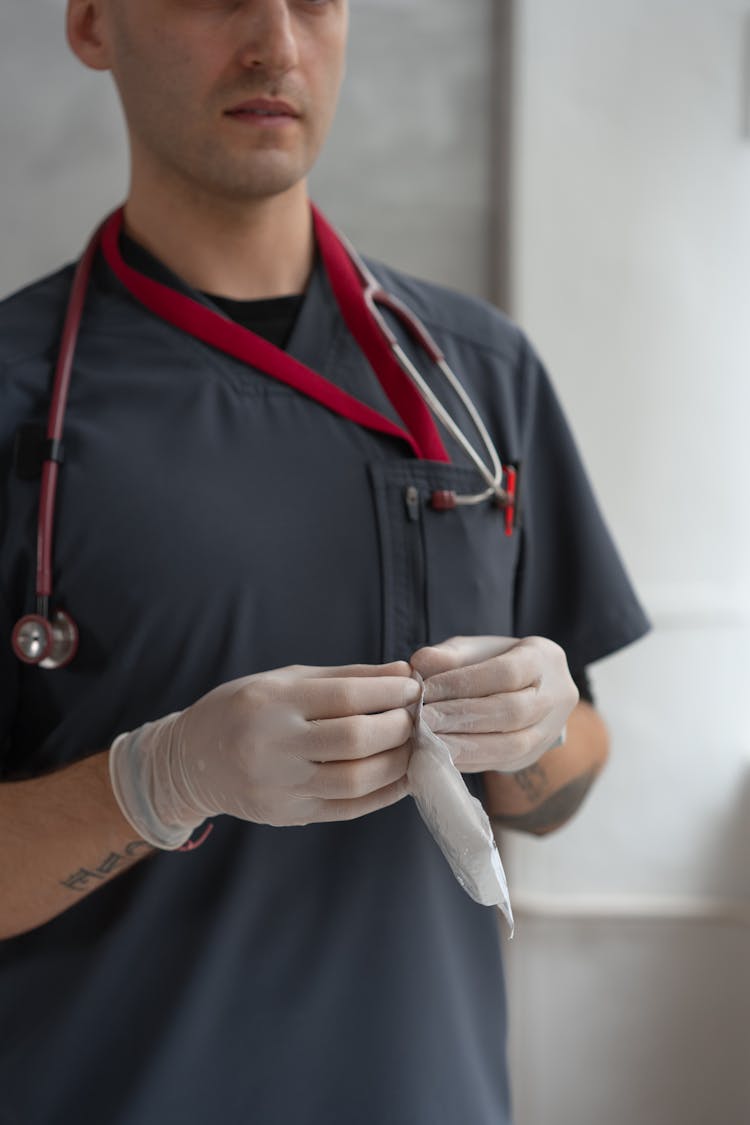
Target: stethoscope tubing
[
  {"x": 52, "y": 643},
  {"x": 56, "y": 420},
  {"x": 375, "y": 295}
]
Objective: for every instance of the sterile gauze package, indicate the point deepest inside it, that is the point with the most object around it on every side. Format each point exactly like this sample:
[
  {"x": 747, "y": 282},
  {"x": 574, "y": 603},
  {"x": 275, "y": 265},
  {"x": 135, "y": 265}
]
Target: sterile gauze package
[{"x": 457, "y": 821}]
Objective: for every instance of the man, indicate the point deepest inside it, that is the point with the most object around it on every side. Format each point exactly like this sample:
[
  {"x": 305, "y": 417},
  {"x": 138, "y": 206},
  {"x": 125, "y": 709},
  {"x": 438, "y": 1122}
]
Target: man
[{"x": 255, "y": 576}]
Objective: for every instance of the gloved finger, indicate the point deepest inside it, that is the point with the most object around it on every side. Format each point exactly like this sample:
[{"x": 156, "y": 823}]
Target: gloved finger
[
  {"x": 505, "y": 712},
  {"x": 337, "y": 697},
  {"x": 395, "y": 668},
  {"x": 352, "y": 780},
  {"x": 357, "y": 736},
  {"x": 457, "y": 652},
  {"x": 363, "y": 806},
  {"x": 514, "y": 670},
  {"x": 506, "y": 753}
]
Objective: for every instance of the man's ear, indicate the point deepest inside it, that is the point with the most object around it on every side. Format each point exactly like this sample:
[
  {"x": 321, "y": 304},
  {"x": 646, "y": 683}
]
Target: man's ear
[{"x": 84, "y": 27}]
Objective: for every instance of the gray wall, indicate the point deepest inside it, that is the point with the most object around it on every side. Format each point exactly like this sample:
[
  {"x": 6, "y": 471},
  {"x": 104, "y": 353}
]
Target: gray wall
[
  {"x": 62, "y": 153},
  {"x": 407, "y": 168},
  {"x": 405, "y": 171}
]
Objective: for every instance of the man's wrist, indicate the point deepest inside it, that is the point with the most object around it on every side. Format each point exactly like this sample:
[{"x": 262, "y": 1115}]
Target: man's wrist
[
  {"x": 139, "y": 771},
  {"x": 560, "y": 740}
]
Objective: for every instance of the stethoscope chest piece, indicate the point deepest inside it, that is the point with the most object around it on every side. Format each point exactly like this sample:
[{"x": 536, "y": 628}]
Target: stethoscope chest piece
[{"x": 49, "y": 644}]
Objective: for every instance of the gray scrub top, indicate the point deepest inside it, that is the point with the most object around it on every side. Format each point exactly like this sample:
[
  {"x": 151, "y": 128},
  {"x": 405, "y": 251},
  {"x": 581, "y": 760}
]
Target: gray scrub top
[{"x": 211, "y": 523}]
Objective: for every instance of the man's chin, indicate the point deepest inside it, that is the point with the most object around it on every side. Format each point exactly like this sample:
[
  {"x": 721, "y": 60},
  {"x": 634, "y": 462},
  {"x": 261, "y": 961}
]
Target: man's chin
[{"x": 264, "y": 180}]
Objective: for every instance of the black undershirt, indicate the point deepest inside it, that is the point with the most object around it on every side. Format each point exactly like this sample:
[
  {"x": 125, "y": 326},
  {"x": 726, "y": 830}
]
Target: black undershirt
[{"x": 274, "y": 318}]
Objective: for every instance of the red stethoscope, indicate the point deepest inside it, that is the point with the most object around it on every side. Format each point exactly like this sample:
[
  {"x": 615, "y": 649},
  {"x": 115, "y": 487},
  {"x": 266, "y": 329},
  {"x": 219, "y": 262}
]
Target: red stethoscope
[{"x": 51, "y": 641}]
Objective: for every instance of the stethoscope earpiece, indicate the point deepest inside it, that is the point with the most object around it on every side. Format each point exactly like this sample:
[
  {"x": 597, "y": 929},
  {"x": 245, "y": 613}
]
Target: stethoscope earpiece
[{"x": 48, "y": 644}]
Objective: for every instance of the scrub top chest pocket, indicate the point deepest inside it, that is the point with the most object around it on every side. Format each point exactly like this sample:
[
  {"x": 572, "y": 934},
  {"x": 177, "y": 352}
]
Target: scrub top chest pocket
[{"x": 445, "y": 572}]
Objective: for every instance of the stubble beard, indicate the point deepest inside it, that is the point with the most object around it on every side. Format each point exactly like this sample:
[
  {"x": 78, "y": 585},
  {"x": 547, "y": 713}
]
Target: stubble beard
[{"x": 210, "y": 173}]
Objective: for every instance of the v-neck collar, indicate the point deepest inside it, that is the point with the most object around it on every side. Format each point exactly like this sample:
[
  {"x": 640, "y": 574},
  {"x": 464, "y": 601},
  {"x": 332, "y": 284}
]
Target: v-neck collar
[{"x": 309, "y": 345}]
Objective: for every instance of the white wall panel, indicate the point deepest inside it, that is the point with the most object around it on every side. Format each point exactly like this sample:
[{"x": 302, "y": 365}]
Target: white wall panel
[
  {"x": 630, "y": 969},
  {"x": 632, "y": 252}
]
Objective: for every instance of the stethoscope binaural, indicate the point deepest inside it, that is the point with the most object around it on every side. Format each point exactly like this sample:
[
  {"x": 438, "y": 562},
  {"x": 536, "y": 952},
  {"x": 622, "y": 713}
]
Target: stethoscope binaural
[{"x": 52, "y": 641}]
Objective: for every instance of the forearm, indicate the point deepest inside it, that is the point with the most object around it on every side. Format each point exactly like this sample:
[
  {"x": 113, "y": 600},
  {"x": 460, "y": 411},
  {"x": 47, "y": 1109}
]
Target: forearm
[
  {"x": 61, "y": 837},
  {"x": 545, "y": 796}
]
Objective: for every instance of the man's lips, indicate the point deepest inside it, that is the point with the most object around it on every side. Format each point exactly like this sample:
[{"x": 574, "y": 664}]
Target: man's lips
[{"x": 264, "y": 109}]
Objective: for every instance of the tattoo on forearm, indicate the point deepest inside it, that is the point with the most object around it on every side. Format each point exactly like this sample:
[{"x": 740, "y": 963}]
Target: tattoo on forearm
[
  {"x": 85, "y": 877},
  {"x": 553, "y": 812},
  {"x": 533, "y": 781}
]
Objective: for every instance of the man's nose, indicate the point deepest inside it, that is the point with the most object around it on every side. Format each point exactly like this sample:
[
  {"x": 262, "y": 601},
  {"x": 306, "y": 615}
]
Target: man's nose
[{"x": 267, "y": 36}]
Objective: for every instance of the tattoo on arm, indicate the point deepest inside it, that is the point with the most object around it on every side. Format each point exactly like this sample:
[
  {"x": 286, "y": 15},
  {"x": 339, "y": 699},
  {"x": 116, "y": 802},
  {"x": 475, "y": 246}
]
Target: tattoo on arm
[
  {"x": 533, "y": 781},
  {"x": 83, "y": 879},
  {"x": 553, "y": 812}
]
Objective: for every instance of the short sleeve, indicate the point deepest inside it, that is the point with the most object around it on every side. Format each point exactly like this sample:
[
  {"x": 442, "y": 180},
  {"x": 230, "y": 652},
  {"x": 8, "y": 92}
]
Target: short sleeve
[{"x": 571, "y": 584}]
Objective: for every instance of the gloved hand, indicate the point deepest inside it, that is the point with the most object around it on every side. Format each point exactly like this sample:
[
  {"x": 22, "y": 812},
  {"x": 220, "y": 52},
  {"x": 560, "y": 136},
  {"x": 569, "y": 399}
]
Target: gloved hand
[
  {"x": 290, "y": 746},
  {"x": 498, "y": 702}
]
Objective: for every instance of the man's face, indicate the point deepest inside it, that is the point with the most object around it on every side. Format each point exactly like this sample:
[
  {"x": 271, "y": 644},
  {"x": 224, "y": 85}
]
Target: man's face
[{"x": 233, "y": 98}]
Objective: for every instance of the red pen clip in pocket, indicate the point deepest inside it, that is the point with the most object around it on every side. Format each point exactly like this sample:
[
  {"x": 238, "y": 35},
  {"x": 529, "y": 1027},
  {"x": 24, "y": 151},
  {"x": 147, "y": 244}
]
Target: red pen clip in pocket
[{"x": 509, "y": 502}]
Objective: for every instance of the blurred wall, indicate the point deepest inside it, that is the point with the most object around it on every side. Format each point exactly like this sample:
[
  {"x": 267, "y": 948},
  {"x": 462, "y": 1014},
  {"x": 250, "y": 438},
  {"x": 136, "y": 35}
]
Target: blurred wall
[
  {"x": 405, "y": 172},
  {"x": 630, "y": 971},
  {"x": 63, "y": 162}
]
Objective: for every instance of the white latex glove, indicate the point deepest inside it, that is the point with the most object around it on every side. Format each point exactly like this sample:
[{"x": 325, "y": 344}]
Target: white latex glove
[
  {"x": 498, "y": 703},
  {"x": 291, "y": 746}
]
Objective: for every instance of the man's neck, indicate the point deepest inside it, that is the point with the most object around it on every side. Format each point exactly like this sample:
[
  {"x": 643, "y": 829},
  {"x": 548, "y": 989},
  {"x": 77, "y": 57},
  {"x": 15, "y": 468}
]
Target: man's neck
[{"x": 247, "y": 251}]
